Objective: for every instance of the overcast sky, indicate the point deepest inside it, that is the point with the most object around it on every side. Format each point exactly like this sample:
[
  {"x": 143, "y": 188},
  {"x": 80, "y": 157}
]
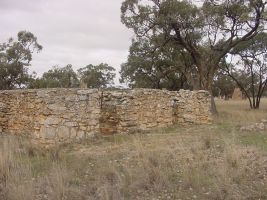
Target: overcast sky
[{"x": 77, "y": 32}]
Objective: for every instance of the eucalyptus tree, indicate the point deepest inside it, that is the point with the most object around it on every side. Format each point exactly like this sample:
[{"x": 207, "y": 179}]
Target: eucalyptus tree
[
  {"x": 224, "y": 85},
  {"x": 250, "y": 70},
  {"x": 57, "y": 77},
  {"x": 15, "y": 58},
  {"x": 207, "y": 31},
  {"x": 150, "y": 67},
  {"x": 97, "y": 76}
]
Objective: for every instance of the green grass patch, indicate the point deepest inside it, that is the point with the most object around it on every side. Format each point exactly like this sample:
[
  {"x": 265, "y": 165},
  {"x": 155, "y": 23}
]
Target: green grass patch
[{"x": 255, "y": 139}]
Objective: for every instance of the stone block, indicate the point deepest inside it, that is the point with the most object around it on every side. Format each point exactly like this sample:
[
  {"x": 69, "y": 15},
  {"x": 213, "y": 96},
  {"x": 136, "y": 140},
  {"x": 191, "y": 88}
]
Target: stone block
[
  {"x": 57, "y": 107},
  {"x": 83, "y": 92},
  {"x": 82, "y": 97},
  {"x": 47, "y": 133},
  {"x": 51, "y": 120},
  {"x": 80, "y": 134},
  {"x": 42, "y": 94},
  {"x": 73, "y": 133},
  {"x": 63, "y": 132},
  {"x": 71, "y": 124}
]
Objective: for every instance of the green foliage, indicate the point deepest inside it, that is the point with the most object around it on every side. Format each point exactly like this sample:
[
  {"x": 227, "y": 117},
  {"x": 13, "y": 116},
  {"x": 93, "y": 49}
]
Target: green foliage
[
  {"x": 58, "y": 77},
  {"x": 252, "y": 48},
  {"x": 15, "y": 57},
  {"x": 207, "y": 32},
  {"x": 251, "y": 77},
  {"x": 223, "y": 85},
  {"x": 151, "y": 66},
  {"x": 255, "y": 139},
  {"x": 97, "y": 76}
]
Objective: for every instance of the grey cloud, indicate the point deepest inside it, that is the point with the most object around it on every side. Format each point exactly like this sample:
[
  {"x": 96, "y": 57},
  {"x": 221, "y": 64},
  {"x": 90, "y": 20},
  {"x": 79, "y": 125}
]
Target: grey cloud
[
  {"x": 20, "y": 5},
  {"x": 78, "y": 32}
]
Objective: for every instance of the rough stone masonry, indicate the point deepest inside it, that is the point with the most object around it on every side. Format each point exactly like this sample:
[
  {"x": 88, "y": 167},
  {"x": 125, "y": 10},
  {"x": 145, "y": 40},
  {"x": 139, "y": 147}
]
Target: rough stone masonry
[{"x": 68, "y": 114}]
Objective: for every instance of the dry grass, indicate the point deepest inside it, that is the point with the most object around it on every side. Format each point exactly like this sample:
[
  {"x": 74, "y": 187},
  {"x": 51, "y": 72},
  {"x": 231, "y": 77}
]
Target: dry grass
[
  {"x": 239, "y": 111},
  {"x": 204, "y": 162}
]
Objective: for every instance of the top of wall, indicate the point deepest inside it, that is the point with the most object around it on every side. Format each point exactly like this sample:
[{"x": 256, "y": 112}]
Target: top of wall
[{"x": 87, "y": 91}]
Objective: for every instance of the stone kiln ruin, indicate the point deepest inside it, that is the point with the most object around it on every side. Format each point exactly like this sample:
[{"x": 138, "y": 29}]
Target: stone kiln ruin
[
  {"x": 237, "y": 94},
  {"x": 67, "y": 114}
]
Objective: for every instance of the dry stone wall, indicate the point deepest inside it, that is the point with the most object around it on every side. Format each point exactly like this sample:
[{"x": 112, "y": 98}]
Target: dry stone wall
[{"x": 67, "y": 114}]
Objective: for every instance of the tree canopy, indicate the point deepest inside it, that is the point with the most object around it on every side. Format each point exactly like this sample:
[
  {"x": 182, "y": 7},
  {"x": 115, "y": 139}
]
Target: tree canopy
[
  {"x": 97, "y": 76},
  {"x": 250, "y": 62},
  {"x": 207, "y": 31},
  {"x": 57, "y": 77},
  {"x": 15, "y": 57},
  {"x": 155, "y": 68}
]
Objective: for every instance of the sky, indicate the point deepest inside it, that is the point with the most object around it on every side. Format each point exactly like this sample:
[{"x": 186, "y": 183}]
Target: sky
[{"x": 77, "y": 32}]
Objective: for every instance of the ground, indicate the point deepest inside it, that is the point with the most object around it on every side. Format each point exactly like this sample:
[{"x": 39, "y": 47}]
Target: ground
[{"x": 215, "y": 161}]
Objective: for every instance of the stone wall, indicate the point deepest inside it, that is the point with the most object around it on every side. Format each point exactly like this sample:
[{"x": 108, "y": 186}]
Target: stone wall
[{"x": 63, "y": 114}]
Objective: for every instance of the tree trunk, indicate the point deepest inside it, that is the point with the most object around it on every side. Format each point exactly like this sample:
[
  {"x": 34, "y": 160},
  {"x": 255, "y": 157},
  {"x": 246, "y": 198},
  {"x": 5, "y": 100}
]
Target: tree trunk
[
  {"x": 257, "y": 104},
  {"x": 213, "y": 107},
  {"x": 205, "y": 83}
]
